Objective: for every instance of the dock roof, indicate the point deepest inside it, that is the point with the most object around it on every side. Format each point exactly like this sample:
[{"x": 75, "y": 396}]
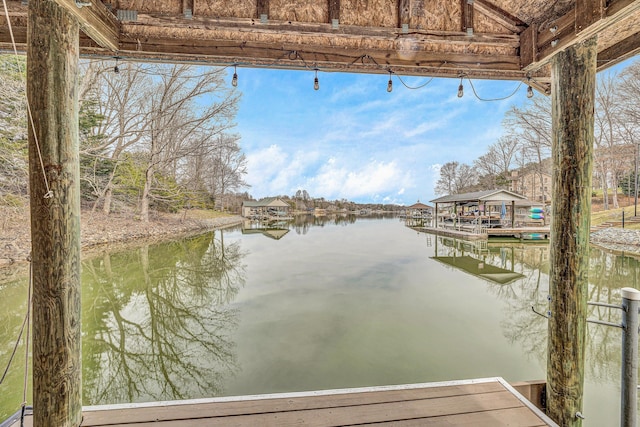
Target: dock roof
[{"x": 482, "y": 196}]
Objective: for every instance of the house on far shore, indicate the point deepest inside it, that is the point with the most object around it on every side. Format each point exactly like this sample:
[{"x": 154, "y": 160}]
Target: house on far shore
[
  {"x": 267, "y": 208},
  {"x": 534, "y": 185}
]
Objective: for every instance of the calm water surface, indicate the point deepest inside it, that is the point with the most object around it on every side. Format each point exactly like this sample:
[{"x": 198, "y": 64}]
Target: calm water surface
[{"x": 329, "y": 304}]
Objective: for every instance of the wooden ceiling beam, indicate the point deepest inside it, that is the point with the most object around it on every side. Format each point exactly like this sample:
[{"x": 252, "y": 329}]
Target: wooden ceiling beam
[
  {"x": 309, "y": 51},
  {"x": 246, "y": 28},
  {"x": 588, "y": 12},
  {"x": 499, "y": 15},
  {"x": 95, "y": 20},
  {"x": 619, "y": 52},
  {"x": 587, "y": 19}
]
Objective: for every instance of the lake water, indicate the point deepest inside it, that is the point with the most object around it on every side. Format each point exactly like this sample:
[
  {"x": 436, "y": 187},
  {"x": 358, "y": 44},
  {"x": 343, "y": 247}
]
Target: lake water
[{"x": 320, "y": 304}]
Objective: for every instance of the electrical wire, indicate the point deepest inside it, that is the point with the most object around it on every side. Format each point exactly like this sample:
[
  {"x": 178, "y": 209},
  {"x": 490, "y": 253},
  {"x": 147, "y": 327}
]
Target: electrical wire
[{"x": 473, "y": 89}]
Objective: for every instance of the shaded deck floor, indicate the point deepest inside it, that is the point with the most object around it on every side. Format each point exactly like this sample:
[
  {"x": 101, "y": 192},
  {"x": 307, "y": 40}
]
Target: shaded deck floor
[{"x": 484, "y": 402}]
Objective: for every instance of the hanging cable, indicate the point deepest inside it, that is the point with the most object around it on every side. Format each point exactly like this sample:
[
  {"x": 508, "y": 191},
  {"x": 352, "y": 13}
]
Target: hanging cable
[
  {"x": 26, "y": 347},
  {"x": 48, "y": 194},
  {"x": 15, "y": 348},
  {"x": 492, "y": 99},
  {"x": 413, "y": 87}
]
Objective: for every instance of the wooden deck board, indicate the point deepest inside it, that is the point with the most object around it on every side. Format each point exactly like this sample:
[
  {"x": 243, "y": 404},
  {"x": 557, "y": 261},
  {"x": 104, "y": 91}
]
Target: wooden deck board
[
  {"x": 486, "y": 402},
  {"x": 259, "y": 406}
]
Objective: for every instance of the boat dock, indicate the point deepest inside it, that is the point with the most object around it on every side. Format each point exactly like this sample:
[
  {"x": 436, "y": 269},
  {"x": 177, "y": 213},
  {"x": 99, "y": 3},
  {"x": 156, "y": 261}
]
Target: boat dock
[
  {"x": 482, "y": 402},
  {"x": 474, "y": 233}
]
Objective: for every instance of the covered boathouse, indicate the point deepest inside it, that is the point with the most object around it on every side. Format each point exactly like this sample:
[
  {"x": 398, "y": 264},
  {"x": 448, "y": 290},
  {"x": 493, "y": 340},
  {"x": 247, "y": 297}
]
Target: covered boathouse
[
  {"x": 555, "y": 48},
  {"x": 490, "y": 207}
]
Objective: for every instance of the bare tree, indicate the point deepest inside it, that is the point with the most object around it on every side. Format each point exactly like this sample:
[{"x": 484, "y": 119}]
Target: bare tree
[
  {"x": 531, "y": 127},
  {"x": 188, "y": 110},
  {"x": 455, "y": 178},
  {"x": 122, "y": 102},
  {"x": 494, "y": 166}
]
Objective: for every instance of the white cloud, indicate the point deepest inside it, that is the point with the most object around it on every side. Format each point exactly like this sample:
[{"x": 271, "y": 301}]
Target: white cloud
[
  {"x": 376, "y": 178},
  {"x": 271, "y": 171}
]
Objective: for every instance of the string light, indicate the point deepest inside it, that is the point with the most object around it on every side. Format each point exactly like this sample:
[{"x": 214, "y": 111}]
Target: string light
[
  {"x": 234, "y": 79},
  {"x": 294, "y": 55},
  {"x": 115, "y": 68}
]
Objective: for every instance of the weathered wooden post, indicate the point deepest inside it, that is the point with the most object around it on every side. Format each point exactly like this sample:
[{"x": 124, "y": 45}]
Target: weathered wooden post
[
  {"x": 573, "y": 92},
  {"x": 52, "y": 67}
]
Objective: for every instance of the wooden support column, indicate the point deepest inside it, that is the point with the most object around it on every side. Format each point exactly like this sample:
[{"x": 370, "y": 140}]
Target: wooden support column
[
  {"x": 573, "y": 92},
  {"x": 52, "y": 75},
  {"x": 513, "y": 214}
]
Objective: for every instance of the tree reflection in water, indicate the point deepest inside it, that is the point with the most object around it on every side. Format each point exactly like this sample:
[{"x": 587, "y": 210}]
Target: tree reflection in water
[
  {"x": 608, "y": 273},
  {"x": 157, "y": 324}
]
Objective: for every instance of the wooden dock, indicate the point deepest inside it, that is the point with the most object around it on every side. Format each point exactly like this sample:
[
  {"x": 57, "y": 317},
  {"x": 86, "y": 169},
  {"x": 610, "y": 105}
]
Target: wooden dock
[
  {"x": 467, "y": 233},
  {"x": 483, "y": 402}
]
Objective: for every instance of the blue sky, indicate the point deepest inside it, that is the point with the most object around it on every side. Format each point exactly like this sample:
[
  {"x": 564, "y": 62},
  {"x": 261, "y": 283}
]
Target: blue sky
[{"x": 352, "y": 139}]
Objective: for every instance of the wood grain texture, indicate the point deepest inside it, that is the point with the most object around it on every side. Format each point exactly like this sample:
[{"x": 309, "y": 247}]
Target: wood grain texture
[
  {"x": 224, "y": 8},
  {"x": 299, "y": 10},
  {"x": 52, "y": 73},
  {"x": 439, "y": 15},
  {"x": 374, "y": 13},
  {"x": 144, "y": 6},
  {"x": 573, "y": 93},
  {"x": 96, "y": 21},
  {"x": 588, "y": 12}
]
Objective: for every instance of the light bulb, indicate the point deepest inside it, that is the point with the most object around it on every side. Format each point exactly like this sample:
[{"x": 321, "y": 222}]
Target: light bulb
[
  {"x": 234, "y": 79},
  {"x": 529, "y": 92},
  {"x": 460, "y": 90},
  {"x": 316, "y": 83},
  {"x": 390, "y": 84},
  {"x": 116, "y": 69}
]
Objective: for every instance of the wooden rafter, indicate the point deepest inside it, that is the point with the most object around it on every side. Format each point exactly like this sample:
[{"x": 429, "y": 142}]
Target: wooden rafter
[
  {"x": 569, "y": 30},
  {"x": 619, "y": 52},
  {"x": 467, "y": 15},
  {"x": 95, "y": 20},
  {"x": 334, "y": 10},
  {"x": 404, "y": 13},
  {"x": 262, "y": 7}
]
